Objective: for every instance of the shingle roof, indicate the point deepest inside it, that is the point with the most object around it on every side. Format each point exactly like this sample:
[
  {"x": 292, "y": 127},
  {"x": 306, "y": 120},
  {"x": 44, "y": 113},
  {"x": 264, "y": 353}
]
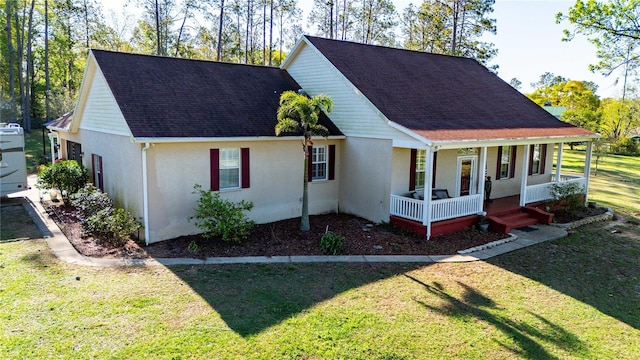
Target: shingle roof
[
  {"x": 61, "y": 123},
  {"x": 443, "y": 98},
  {"x": 170, "y": 97}
]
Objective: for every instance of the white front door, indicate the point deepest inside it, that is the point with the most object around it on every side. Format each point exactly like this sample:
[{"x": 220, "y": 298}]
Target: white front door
[{"x": 466, "y": 178}]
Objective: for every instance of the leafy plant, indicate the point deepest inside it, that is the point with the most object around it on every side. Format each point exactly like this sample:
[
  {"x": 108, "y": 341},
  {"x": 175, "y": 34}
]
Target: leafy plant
[
  {"x": 67, "y": 176},
  {"x": 89, "y": 200},
  {"x": 331, "y": 243},
  {"x": 193, "y": 246},
  {"x": 218, "y": 217},
  {"x": 567, "y": 195},
  {"x": 114, "y": 226}
]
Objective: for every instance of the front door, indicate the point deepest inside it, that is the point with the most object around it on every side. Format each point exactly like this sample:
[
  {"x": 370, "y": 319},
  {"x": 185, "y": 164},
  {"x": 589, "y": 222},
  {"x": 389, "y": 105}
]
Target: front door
[{"x": 466, "y": 179}]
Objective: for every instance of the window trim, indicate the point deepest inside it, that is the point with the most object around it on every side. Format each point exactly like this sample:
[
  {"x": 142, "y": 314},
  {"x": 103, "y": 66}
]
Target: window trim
[
  {"x": 315, "y": 152},
  {"x": 413, "y": 160},
  {"x": 331, "y": 163}
]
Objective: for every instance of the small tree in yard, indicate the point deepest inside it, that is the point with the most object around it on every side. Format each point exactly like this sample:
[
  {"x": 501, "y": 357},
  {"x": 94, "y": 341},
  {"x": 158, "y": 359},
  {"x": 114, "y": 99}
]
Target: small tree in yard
[
  {"x": 300, "y": 113},
  {"x": 67, "y": 176},
  {"x": 220, "y": 217}
]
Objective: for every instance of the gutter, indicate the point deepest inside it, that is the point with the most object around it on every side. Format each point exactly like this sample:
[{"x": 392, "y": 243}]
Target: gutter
[
  {"x": 146, "y": 140},
  {"x": 145, "y": 194}
]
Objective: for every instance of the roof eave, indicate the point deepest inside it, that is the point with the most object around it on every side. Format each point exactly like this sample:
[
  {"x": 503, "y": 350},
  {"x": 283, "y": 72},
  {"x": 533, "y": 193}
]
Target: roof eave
[
  {"x": 456, "y": 144},
  {"x": 157, "y": 140}
]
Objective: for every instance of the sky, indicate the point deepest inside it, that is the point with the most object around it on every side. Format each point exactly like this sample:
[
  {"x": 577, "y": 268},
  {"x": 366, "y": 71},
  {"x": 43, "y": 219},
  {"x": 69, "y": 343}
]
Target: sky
[{"x": 528, "y": 40}]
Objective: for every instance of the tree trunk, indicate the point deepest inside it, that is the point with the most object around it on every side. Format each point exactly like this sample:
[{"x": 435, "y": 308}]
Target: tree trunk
[
  {"x": 219, "y": 53},
  {"x": 46, "y": 60},
  {"x": 304, "y": 219},
  {"x": 264, "y": 32},
  {"x": 270, "y": 32},
  {"x": 11, "y": 55},
  {"x": 157, "y": 13}
]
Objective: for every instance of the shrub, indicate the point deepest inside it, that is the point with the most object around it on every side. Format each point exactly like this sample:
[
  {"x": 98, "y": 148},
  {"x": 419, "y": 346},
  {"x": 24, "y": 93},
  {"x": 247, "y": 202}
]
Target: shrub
[
  {"x": 67, "y": 176},
  {"x": 218, "y": 217},
  {"x": 89, "y": 200},
  {"x": 331, "y": 243},
  {"x": 567, "y": 195},
  {"x": 626, "y": 146},
  {"x": 114, "y": 226}
]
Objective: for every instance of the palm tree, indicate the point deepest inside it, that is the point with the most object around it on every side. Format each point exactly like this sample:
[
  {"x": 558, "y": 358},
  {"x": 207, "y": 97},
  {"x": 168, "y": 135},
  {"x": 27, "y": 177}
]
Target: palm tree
[{"x": 299, "y": 113}]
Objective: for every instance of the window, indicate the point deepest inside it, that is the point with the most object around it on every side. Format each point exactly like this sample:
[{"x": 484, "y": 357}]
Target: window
[
  {"x": 319, "y": 161},
  {"x": 96, "y": 166},
  {"x": 537, "y": 156},
  {"x": 229, "y": 168},
  {"x": 506, "y": 167},
  {"x": 421, "y": 166},
  {"x": 418, "y": 169}
]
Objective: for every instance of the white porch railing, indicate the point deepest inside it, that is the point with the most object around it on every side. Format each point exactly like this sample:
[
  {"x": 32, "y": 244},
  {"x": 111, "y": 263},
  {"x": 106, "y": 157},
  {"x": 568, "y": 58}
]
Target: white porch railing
[
  {"x": 455, "y": 207},
  {"x": 542, "y": 192},
  {"x": 406, "y": 207},
  {"x": 443, "y": 209}
]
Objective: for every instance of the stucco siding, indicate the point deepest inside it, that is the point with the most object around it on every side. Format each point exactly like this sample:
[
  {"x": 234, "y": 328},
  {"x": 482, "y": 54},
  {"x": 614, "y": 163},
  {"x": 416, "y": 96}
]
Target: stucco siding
[
  {"x": 121, "y": 166},
  {"x": 276, "y": 175},
  {"x": 366, "y": 181},
  {"x": 351, "y": 113},
  {"x": 101, "y": 112}
]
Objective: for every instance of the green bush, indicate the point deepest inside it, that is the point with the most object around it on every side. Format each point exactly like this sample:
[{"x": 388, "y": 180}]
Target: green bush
[
  {"x": 114, "y": 226},
  {"x": 332, "y": 244},
  {"x": 67, "y": 176},
  {"x": 567, "y": 195},
  {"x": 89, "y": 200},
  {"x": 626, "y": 146},
  {"x": 222, "y": 218}
]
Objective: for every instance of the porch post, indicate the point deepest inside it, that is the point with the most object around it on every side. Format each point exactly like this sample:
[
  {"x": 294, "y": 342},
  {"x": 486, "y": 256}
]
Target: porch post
[
  {"x": 483, "y": 174},
  {"x": 559, "y": 162},
  {"x": 587, "y": 170},
  {"x": 525, "y": 174},
  {"x": 428, "y": 185}
]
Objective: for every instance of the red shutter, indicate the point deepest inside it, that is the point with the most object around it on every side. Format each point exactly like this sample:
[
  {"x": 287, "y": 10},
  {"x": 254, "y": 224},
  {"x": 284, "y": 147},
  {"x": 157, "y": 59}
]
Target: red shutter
[
  {"x": 543, "y": 158},
  {"x": 435, "y": 163},
  {"x": 512, "y": 165},
  {"x": 412, "y": 169},
  {"x": 332, "y": 162},
  {"x": 214, "y": 169},
  {"x": 499, "y": 165},
  {"x": 244, "y": 164},
  {"x": 310, "y": 163}
]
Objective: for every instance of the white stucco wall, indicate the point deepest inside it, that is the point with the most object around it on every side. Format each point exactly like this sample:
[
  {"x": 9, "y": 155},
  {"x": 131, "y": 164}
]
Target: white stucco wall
[
  {"x": 366, "y": 178},
  {"x": 276, "y": 176}
]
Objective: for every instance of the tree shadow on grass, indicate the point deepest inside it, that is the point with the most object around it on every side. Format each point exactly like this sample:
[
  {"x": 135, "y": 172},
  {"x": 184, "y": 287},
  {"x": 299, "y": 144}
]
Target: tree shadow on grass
[
  {"x": 592, "y": 265},
  {"x": 253, "y": 297},
  {"x": 473, "y": 304}
]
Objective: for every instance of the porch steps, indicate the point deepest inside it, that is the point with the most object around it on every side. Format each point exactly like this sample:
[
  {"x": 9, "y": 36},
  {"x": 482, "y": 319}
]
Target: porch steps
[{"x": 516, "y": 218}]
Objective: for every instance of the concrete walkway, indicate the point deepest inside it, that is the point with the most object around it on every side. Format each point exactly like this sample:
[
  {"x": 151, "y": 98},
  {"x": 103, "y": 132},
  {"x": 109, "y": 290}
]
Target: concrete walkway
[{"x": 63, "y": 249}]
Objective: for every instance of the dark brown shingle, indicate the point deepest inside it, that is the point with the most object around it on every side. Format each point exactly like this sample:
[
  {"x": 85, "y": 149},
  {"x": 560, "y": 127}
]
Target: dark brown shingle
[
  {"x": 443, "y": 98},
  {"x": 162, "y": 97}
]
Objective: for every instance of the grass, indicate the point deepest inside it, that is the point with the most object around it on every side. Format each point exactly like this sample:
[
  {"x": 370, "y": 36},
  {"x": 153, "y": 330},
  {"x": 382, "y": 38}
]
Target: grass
[
  {"x": 574, "y": 298},
  {"x": 34, "y": 151},
  {"x": 615, "y": 184}
]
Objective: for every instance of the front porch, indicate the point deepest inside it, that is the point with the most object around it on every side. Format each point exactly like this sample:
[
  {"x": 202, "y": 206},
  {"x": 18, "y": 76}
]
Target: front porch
[{"x": 455, "y": 214}]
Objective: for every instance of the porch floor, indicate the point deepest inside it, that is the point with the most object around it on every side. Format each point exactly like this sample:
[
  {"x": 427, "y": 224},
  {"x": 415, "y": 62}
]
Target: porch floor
[{"x": 501, "y": 205}]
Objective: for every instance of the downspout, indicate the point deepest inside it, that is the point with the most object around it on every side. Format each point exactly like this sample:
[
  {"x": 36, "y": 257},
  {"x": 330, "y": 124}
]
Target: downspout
[{"x": 145, "y": 194}]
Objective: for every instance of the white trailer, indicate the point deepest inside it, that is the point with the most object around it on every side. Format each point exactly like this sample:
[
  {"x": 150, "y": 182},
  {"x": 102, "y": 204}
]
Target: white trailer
[{"x": 13, "y": 162}]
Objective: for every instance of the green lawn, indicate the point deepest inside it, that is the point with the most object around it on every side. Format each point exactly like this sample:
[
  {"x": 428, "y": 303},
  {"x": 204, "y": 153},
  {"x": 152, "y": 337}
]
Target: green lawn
[
  {"x": 34, "y": 150},
  {"x": 615, "y": 183},
  {"x": 576, "y": 298}
]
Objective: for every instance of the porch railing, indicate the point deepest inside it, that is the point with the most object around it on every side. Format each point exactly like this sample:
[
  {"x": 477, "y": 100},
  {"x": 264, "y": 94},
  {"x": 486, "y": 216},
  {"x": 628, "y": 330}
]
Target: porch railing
[
  {"x": 542, "y": 192},
  {"x": 455, "y": 207},
  {"x": 442, "y": 209},
  {"x": 406, "y": 207}
]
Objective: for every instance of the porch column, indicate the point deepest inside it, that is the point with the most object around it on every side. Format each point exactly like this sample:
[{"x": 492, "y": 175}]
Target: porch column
[
  {"x": 525, "y": 174},
  {"x": 587, "y": 170},
  {"x": 559, "y": 162},
  {"x": 483, "y": 174},
  {"x": 52, "y": 143},
  {"x": 428, "y": 185}
]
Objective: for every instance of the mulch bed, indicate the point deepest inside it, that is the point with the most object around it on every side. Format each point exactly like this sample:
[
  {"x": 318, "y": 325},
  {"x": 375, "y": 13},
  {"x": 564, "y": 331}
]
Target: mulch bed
[{"x": 282, "y": 238}]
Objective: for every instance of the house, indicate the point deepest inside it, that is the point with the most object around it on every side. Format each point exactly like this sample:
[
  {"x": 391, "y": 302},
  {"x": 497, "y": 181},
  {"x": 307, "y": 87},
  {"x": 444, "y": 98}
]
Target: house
[{"x": 151, "y": 127}]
